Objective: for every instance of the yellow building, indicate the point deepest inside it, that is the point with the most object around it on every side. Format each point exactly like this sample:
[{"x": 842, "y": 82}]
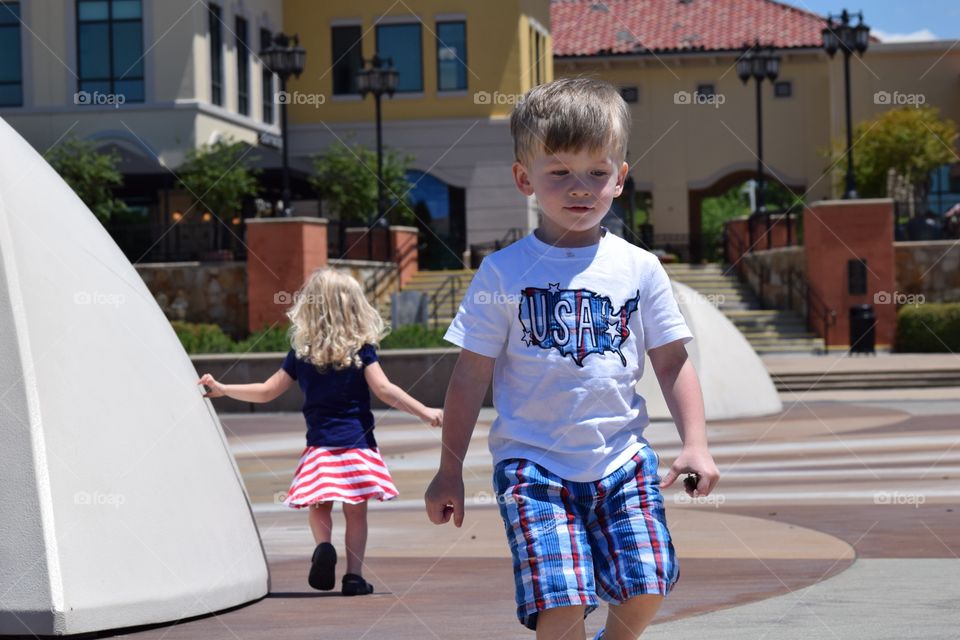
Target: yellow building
[{"x": 188, "y": 74}]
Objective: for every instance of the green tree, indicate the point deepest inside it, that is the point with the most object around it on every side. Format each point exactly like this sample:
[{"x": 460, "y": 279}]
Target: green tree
[
  {"x": 913, "y": 141},
  {"x": 91, "y": 174},
  {"x": 346, "y": 182},
  {"x": 217, "y": 178}
]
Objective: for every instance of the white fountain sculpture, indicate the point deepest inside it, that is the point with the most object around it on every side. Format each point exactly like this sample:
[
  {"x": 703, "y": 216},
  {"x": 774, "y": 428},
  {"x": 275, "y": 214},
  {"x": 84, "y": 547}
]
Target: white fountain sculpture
[{"x": 120, "y": 503}]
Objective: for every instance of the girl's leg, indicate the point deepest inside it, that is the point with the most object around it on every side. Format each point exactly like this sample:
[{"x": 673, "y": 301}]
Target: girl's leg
[
  {"x": 321, "y": 521},
  {"x": 356, "y": 535}
]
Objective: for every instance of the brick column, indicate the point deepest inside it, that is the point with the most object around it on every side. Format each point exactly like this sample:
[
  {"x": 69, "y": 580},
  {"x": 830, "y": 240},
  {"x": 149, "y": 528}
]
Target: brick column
[
  {"x": 402, "y": 244},
  {"x": 281, "y": 253},
  {"x": 836, "y": 231}
]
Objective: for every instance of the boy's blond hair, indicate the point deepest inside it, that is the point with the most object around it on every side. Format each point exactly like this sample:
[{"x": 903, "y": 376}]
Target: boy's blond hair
[
  {"x": 331, "y": 319},
  {"x": 571, "y": 115}
]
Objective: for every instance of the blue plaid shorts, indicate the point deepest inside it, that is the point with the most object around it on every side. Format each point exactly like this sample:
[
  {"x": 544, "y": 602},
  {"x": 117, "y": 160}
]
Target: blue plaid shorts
[{"x": 574, "y": 541}]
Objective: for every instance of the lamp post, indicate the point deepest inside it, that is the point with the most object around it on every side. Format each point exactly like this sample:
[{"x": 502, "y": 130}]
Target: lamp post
[
  {"x": 759, "y": 62},
  {"x": 840, "y": 34},
  {"x": 379, "y": 78},
  {"x": 284, "y": 57}
]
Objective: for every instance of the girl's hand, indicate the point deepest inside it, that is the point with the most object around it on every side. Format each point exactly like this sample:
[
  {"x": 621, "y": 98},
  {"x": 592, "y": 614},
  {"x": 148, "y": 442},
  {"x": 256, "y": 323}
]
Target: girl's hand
[
  {"x": 434, "y": 417},
  {"x": 216, "y": 389}
]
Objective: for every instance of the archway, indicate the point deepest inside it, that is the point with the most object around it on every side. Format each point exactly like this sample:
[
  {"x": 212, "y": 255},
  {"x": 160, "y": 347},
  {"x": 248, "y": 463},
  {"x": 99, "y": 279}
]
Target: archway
[{"x": 722, "y": 185}]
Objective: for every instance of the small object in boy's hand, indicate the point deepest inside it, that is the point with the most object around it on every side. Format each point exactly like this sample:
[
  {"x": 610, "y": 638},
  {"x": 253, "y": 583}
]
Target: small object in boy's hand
[{"x": 691, "y": 481}]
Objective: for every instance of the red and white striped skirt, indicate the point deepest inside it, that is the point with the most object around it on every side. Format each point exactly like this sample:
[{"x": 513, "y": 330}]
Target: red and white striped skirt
[{"x": 345, "y": 475}]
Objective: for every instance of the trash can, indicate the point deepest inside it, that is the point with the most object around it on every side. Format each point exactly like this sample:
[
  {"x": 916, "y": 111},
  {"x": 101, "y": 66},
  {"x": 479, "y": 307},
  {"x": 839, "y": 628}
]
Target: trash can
[{"x": 863, "y": 322}]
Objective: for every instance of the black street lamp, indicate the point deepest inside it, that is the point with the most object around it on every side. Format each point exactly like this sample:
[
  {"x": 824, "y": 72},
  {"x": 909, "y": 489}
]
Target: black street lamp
[
  {"x": 759, "y": 62},
  {"x": 380, "y": 78},
  {"x": 840, "y": 34},
  {"x": 284, "y": 57}
]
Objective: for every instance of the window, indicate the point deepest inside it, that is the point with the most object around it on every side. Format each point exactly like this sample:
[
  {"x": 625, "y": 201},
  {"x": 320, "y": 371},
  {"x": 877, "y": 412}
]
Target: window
[
  {"x": 11, "y": 74},
  {"x": 401, "y": 43},
  {"x": 538, "y": 67},
  {"x": 216, "y": 55},
  {"x": 110, "y": 48},
  {"x": 266, "y": 79},
  {"x": 706, "y": 90},
  {"x": 451, "y": 56},
  {"x": 630, "y": 94},
  {"x": 243, "y": 67},
  {"x": 347, "y": 59},
  {"x": 783, "y": 89}
]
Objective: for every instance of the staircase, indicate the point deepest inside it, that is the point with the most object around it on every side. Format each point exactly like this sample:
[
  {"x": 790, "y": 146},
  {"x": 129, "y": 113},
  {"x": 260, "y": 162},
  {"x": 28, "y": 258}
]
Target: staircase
[
  {"x": 767, "y": 331},
  {"x": 445, "y": 289}
]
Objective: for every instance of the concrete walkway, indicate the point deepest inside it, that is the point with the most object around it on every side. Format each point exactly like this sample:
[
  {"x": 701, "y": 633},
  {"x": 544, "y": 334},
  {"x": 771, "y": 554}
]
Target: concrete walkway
[{"x": 838, "y": 518}]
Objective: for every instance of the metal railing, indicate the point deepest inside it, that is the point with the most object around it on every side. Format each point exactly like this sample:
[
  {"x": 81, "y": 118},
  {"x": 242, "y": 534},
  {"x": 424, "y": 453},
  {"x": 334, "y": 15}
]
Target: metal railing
[{"x": 447, "y": 293}]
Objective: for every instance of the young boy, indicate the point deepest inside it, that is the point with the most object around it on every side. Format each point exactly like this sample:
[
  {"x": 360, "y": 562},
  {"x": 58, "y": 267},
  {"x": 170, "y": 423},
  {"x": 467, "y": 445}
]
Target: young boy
[{"x": 561, "y": 321}]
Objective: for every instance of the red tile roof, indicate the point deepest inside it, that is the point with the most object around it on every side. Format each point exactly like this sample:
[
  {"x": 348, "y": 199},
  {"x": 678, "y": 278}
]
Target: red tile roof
[{"x": 594, "y": 27}]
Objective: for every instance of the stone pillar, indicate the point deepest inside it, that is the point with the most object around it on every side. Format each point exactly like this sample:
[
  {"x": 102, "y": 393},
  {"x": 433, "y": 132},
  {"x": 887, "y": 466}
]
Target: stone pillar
[
  {"x": 835, "y": 232},
  {"x": 281, "y": 254},
  {"x": 403, "y": 243}
]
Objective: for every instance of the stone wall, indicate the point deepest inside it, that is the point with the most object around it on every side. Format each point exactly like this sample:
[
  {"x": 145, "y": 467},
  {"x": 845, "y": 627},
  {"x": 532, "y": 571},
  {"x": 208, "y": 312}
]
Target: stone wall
[
  {"x": 767, "y": 274},
  {"x": 216, "y": 292},
  {"x": 930, "y": 268}
]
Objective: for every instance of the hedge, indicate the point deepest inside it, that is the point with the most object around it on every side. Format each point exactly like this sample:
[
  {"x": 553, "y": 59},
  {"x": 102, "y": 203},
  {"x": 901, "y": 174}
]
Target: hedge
[{"x": 929, "y": 328}]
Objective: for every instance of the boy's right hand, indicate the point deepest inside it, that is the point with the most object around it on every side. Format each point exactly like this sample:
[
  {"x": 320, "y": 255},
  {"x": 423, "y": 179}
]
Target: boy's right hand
[
  {"x": 216, "y": 388},
  {"x": 444, "y": 498}
]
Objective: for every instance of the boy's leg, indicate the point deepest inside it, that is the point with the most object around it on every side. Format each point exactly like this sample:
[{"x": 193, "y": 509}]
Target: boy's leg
[
  {"x": 632, "y": 549},
  {"x": 628, "y": 620},
  {"x": 355, "y": 535},
  {"x": 544, "y": 518},
  {"x": 321, "y": 521},
  {"x": 562, "y": 623}
]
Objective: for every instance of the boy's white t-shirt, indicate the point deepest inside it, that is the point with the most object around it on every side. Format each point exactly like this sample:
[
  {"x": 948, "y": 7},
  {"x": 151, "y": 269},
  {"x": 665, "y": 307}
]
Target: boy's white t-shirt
[{"x": 568, "y": 327}]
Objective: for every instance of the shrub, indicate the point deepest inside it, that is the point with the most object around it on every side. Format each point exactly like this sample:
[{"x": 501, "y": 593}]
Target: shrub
[
  {"x": 415, "y": 336},
  {"x": 929, "y": 328}
]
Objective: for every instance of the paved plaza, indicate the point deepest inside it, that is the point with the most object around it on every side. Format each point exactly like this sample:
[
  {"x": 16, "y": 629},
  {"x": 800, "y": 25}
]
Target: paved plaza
[{"x": 837, "y": 518}]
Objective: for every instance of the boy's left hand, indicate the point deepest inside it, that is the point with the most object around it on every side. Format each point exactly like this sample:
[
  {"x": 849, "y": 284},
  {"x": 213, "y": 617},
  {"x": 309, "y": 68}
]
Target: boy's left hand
[{"x": 694, "y": 460}]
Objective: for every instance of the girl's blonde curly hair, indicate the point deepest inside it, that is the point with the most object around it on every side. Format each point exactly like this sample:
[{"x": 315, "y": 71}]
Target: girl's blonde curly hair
[{"x": 331, "y": 319}]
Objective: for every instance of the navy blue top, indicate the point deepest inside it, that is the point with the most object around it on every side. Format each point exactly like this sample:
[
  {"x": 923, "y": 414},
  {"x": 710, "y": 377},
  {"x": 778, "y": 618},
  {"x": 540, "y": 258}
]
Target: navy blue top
[{"x": 336, "y": 401}]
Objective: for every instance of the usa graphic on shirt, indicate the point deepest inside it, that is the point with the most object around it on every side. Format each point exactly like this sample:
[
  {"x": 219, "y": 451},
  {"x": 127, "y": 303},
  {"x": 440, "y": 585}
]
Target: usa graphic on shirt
[{"x": 575, "y": 322}]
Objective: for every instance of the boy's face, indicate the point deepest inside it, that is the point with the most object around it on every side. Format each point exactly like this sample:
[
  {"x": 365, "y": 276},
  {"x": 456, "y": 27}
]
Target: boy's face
[{"x": 574, "y": 190}]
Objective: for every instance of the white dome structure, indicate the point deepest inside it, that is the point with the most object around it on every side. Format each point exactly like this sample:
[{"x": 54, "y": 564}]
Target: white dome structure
[
  {"x": 121, "y": 504},
  {"x": 734, "y": 380}
]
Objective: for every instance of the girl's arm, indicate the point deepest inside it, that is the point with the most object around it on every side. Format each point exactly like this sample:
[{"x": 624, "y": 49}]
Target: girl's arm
[
  {"x": 256, "y": 392},
  {"x": 397, "y": 398}
]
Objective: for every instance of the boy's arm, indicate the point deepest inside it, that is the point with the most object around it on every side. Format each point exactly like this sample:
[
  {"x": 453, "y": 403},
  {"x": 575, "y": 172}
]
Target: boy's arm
[
  {"x": 461, "y": 407},
  {"x": 396, "y": 397},
  {"x": 256, "y": 392},
  {"x": 681, "y": 390}
]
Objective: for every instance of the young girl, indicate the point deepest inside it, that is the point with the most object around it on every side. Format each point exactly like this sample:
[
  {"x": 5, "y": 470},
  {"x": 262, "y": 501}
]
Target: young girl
[{"x": 334, "y": 332}]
